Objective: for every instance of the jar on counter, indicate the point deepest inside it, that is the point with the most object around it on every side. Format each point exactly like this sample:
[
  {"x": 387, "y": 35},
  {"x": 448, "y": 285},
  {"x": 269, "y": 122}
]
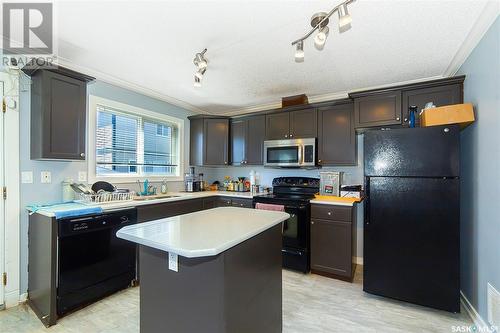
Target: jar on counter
[{"x": 68, "y": 194}]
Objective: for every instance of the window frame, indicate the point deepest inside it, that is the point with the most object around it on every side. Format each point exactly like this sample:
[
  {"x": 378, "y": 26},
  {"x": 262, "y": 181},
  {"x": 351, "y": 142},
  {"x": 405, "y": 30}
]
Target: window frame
[{"x": 94, "y": 101}]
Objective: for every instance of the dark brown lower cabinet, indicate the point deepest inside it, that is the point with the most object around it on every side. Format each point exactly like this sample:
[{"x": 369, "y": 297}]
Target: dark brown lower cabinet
[
  {"x": 168, "y": 209},
  {"x": 209, "y": 202},
  {"x": 223, "y": 202},
  {"x": 333, "y": 230},
  {"x": 244, "y": 203}
]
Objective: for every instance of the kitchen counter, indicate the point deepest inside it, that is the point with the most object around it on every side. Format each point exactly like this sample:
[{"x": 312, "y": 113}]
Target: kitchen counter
[
  {"x": 177, "y": 197},
  {"x": 217, "y": 270},
  {"x": 333, "y": 202},
  {"x": 205, "y": 233}
]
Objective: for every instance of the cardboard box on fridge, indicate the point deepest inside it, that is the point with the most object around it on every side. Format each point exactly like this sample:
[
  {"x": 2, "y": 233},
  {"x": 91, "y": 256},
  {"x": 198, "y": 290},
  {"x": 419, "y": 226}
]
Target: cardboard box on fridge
[{"x": 462, "y": 114}]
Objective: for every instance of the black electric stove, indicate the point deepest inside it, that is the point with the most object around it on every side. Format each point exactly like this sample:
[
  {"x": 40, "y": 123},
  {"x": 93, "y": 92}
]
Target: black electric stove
[{"x": 294, "y": 193}]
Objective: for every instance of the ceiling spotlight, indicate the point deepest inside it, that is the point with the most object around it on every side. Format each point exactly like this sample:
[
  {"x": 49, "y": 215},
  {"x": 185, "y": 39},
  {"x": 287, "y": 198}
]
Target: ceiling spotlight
[
  {"x": 197, "y": 82},
  {"x": 199, "y": 74},
  {"x": 201, "y": 64},
  {"x": 299, "y": 52},
  {"x": 320, "y": 39},
  {"x": 344, "y": 18}
]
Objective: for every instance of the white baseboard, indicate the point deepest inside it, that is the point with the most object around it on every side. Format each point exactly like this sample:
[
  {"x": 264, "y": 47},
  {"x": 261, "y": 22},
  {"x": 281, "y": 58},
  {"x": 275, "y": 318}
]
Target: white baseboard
[
  {"x": 358, "y": 260},
  {"x": 473, "y": 314},
  {"x": 13, "y": 298},
  {"x": 23, "y": 297}
]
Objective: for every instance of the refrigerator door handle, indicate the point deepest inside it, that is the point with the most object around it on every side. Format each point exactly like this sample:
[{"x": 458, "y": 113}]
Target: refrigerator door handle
[{"x": 367, "y": 201}]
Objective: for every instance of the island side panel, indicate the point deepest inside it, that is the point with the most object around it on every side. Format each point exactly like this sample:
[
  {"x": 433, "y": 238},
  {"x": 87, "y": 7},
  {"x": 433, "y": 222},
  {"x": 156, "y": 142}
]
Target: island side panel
[
  {"x": 190, "y": 300},
  {"x": 253, "y": 284}
]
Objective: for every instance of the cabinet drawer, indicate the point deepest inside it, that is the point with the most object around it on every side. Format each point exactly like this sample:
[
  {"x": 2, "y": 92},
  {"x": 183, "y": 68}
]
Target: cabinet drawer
[
  {"x": 331, "y": 212},
  {"x": 245, "y": 203},
  {"x": 223, "y": 202}
]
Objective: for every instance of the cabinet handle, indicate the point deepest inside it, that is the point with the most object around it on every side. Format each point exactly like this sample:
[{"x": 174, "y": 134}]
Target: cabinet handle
[
  {"x": 397, "y": 118},
  {"x": 312, "y": 222},
  {"x": 225, "y": 162},
  {"x": 82, "y": 154},
  {"x": 319, "y": 161},
  {"x": 329, "y": 213},
  {"x": 286, "y": 135},
  {"x": 291, "y": 135},
  {"x": 406, "y": 119}
]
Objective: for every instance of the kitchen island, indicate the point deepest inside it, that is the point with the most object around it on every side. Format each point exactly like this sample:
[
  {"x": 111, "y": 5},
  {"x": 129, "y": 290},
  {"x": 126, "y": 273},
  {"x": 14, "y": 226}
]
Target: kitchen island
[{"x": 217, "y": 270}]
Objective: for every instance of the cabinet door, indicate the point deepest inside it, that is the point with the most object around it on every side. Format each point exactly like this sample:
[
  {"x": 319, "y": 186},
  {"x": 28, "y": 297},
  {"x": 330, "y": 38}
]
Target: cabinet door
[
  {"x": 440, "y": 96},
  {"x": 331, "y": 247},
  {"x": 277, "y": 126},
  {"x": 216, "y": 141},
  {"x": 168, "y": 209},
  {"x": 238, "y": 141},
  {"x": 256, "y": 132},
  {"x": 378, "y": 110},
  {"x": 336, "y": 135},
  {"x": 303, "y": 124},
  {"x": 64, "y": 109},
  {"x": 209, "y": 202}
]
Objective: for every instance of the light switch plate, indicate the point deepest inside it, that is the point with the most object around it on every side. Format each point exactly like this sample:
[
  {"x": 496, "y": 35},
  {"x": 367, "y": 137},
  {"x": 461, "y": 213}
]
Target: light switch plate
[
  {"x": 173, "y": 263},
  {"x": 82, "y": 176},
  {"x": 45, "y": 177},
  {"x": 27, "y": 177}
]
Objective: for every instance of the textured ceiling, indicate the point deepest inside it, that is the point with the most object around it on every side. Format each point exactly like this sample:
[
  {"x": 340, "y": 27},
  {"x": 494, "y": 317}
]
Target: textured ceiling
[{"x": 151, "y": 45}]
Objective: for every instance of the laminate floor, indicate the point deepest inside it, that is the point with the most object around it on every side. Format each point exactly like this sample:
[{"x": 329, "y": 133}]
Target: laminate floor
[{"x": 311, "y": 303}]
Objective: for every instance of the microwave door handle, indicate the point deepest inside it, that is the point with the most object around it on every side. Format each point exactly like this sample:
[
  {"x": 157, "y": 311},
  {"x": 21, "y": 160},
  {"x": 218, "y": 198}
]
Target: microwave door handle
[{"x": 301, "y": 156}]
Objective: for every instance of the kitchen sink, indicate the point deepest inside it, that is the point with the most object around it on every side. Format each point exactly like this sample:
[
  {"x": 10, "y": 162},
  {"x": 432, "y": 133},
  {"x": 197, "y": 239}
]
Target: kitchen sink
[{"x": 155, "y": 197}]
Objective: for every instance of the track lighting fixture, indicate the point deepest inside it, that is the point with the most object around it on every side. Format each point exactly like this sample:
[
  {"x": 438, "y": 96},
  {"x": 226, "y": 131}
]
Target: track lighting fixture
[
  {"x": 319, "y": 22},
  {"x": 201, "y": 64}
]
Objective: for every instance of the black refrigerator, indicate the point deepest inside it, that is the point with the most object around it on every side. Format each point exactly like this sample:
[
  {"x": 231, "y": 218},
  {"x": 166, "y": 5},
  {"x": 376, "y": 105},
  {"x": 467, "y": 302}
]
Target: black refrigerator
[{"x": 412, "y": 212}]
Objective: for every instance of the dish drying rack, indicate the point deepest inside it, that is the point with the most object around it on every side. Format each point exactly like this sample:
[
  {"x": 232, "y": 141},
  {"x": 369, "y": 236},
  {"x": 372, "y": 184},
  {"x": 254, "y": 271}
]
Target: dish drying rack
[{"x": 105, "y": 197}]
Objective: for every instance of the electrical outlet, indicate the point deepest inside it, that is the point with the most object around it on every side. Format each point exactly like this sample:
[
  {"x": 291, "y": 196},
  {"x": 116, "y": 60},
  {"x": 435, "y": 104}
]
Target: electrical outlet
[
  {"x": 27, "y": 177},
  {"x": 173, "y": 262},
  {"x": 82, "y": 176},
  {"x": 45, "y": 177}
]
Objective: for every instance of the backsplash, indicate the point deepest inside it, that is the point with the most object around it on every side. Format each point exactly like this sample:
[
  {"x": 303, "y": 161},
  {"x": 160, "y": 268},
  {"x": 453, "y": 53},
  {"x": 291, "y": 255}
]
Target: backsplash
[{"x": 352, "y": 175}]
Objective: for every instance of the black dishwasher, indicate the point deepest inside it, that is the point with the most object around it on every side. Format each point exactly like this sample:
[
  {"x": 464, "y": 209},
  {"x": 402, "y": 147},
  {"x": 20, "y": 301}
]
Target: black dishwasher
[{"x": 92, "y": 261}]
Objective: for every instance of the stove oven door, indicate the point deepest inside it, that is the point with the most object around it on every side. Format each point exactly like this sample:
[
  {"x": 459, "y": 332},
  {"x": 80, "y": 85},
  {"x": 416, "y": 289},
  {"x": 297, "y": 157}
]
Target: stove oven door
[{"x": 295, "y": 229}]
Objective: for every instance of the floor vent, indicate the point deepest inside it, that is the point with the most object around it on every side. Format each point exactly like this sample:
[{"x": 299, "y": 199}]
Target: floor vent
[{"x": 493, "y": 306}]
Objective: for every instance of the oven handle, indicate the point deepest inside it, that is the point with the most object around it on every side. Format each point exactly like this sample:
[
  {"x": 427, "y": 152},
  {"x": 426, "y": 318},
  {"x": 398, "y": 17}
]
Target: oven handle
[{"x": 301, "y": 155}]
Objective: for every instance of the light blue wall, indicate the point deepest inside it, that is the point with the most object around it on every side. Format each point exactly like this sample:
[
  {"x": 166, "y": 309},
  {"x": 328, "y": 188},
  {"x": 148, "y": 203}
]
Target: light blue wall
[
  {"x": 49, "y": 193},
  {"x": 352, "y": 175},
  {"x": 479, "y": 168}
]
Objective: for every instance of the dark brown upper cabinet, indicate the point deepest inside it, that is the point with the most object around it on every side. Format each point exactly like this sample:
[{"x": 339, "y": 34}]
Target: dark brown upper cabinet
[
  {"x": 439, "y": 95},
  {"x": 58, "y": 114},
  {"x": 277, "y": 126},
  {"x": 209, "y": 141},
  {"x": 336, "y": 135},
  {"x": 247, "y": 140},
  {"x": 297, "y": 124},
  {"x": 389, "y": 106},
  {"x": 378, "y": 110}
]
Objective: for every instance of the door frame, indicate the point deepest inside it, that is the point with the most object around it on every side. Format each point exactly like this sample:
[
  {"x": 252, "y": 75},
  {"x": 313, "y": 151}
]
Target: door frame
[{"x": 11, "y": 222}]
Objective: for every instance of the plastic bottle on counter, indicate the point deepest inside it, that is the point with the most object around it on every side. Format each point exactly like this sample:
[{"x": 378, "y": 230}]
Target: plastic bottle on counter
[{"x": 68, "y": 194}]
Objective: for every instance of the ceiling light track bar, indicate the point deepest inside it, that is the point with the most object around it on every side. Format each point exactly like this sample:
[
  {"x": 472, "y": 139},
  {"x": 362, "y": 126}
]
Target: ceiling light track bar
[{"x": 322, "y": 22}]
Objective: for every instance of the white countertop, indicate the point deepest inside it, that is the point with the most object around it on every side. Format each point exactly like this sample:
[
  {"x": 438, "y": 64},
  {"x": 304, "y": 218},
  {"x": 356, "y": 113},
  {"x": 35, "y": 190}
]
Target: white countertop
[
  {"x": 204, "y": 233},
  {"x": 332, "y": 202},
  {"x": 178, "y": 196}
]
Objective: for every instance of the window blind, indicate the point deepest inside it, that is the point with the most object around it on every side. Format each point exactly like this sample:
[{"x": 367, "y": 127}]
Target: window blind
[{"x": 134, "y": 145}]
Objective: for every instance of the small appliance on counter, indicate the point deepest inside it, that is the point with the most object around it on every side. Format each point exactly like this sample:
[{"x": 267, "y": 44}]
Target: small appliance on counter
[
  {"x": 192, "y": 181},
  {"x": 351, "y": 191},
  {"x": 330, "y": 182}
]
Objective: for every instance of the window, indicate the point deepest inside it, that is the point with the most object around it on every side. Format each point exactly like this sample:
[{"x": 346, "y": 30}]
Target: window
[{"x": 131, "y": 142}]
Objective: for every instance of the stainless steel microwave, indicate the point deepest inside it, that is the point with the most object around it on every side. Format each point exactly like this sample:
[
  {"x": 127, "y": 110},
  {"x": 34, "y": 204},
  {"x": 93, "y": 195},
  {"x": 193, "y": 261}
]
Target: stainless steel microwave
[{"x": 290, "y": 153}]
